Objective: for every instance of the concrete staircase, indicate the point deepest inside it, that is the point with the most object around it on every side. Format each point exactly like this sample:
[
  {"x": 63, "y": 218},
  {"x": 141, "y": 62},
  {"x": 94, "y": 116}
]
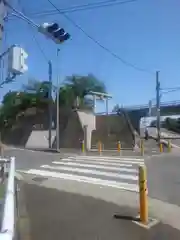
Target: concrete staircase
[{"x": 111, "y": 129}]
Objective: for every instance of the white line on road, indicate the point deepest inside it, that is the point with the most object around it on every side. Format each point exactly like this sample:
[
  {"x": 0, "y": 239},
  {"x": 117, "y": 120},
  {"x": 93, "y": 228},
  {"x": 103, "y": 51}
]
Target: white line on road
[
  {"x": 107, "y": 163},
  {"x": 95, "y": 172},
  {"x": 92, "y": 165},
  {"x": 106, "y": 158},
  {"x": 96, "y": 181}
]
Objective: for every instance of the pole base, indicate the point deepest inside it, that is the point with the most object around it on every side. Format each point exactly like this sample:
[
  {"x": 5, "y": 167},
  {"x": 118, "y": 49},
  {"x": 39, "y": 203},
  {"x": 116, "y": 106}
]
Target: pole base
[{"x": 150, "y": 223}]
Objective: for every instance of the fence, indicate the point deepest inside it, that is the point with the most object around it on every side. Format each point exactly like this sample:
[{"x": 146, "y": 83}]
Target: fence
[{"x": 8, "y": 216}]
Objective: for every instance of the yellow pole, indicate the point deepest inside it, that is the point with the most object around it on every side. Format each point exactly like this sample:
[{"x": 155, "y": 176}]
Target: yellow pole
[
  {"x": 119, "y": 147},
  {"x": 169, "y": 145},
  {"x": 161, "y": 147},
  {"x": 142, "y": 147},
  {"x": 143, "y": 202},
  {"x": 1, "y": 150},
  {"x": 83, "y": 147},
  {"x": 99, "y": 147}
]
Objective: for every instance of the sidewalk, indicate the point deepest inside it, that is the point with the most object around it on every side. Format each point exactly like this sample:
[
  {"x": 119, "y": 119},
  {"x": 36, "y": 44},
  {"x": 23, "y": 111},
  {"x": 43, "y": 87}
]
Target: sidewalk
[{"x": 54, "y": 214}]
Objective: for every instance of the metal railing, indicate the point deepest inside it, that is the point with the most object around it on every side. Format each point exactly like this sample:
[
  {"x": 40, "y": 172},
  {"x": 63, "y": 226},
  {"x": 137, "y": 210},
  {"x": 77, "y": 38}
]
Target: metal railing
[{"x": 8, "y": 217}]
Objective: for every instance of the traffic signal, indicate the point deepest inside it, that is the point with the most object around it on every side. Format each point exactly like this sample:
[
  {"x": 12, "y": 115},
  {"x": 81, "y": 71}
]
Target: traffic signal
[
  {"x": 17, "y": 60},
  {"x": 57, "y": 34}
]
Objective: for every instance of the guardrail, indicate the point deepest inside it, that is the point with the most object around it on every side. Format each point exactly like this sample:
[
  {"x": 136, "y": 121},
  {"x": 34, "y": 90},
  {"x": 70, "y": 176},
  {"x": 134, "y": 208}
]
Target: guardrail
[{"x": 8, "y": 217}]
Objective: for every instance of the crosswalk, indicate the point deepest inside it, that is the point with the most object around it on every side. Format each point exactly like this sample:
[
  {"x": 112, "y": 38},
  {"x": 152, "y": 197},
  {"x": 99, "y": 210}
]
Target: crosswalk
[{"x": 117, "y": 172}]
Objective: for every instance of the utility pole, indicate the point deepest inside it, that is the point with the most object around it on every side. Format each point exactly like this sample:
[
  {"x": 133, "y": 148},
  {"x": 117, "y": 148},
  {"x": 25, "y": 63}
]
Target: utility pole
[
  {"x": 3, "y": 10},
  {"x": 57, "y": 103},
  {"x": 107, "y": 113},
  {"x": 50, "y": 102},
  {"x": 158, "y": 106}
]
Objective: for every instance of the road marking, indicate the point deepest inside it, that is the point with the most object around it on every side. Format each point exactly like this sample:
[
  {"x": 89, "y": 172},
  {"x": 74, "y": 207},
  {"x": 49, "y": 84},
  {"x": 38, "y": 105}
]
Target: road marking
[
  {"x": 111, "y": 160},
  {"x": 106, "y": 162},
  {"x": 106, "y": 158},
  {"x": 96, "y": 181},
  {"x": 92, "y": 165},
  {"x": 95, "y": 172}
]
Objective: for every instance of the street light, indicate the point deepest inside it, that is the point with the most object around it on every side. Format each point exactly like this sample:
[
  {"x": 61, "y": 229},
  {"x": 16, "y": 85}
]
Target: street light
[{"x": 57, "y": 103}]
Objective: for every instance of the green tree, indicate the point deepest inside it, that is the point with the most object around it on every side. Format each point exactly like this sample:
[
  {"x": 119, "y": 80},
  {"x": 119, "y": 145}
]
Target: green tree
[
  {"x": 35, "y": 94},
  {"x": 76, "y": 88}
]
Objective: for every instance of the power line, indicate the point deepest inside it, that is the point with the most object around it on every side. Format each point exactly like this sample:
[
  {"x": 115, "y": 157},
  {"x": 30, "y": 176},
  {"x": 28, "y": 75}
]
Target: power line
[
  {"x": 98, "y": 43},
  {"x": 33, "y": 34},
  {"x": 39, "y": 46},
  {"x": 83, "y": 7}
]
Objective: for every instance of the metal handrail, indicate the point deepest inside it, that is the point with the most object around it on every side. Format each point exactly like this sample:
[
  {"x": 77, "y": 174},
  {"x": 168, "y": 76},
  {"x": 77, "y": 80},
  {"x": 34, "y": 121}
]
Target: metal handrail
[{"x": 7, "y": 228}]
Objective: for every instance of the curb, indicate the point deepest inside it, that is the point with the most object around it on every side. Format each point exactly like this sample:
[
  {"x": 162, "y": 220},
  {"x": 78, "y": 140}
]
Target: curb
[{"x": 23, "y": 224}]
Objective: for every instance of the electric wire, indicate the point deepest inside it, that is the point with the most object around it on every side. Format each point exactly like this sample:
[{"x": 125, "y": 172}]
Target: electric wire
[
  {"x": 98, "y": 43},
  {"x": 82, "y": 7}
]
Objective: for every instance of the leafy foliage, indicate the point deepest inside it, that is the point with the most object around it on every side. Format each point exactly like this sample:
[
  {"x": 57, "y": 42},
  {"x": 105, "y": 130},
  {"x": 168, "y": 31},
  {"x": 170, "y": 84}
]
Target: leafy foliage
[
  {"x": 172, "y": 124},
  {"x": 73, "y": 93}
]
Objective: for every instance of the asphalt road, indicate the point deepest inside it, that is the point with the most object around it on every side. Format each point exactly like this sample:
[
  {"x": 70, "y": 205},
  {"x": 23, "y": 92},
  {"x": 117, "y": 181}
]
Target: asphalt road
[
  {"x": 163, "y": 171},
  {"x": 62, "y": 215},
  {"x": 164, "y": 177},
  {"x": 27, "y": 159}
]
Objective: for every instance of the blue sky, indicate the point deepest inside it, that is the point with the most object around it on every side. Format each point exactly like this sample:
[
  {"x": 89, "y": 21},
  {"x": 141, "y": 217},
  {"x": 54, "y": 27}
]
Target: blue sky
[{"x": 145, "y": 33}]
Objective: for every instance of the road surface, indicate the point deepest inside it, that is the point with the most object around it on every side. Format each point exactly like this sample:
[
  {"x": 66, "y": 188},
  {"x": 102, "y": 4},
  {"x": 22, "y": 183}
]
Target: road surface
[
  {"x": 116, "y": 172},
  {"x": 164, "y": 177},
  {"x": 54, "y": 214},
  {"x": 81, "y": 208}
]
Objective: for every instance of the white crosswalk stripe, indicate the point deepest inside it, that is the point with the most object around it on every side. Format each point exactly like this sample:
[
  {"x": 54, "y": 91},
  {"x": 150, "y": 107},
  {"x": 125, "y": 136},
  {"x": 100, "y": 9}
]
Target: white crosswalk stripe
[{"x": 118, "y": 172}]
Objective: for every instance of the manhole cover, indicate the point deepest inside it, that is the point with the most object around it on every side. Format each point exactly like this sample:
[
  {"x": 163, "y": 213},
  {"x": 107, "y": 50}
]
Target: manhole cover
[{"x": 39, "y": 179}]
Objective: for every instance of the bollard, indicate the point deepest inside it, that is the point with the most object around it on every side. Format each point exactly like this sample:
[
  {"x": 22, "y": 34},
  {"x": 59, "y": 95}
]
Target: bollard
[
  {"x": 1, "y": 150},
  {"x": 83, "y": 147},
  {"x": 99, "y": 147},
  {"x": 119, "y": 147},
  {"x": 161, "y": 147},
  {"x": 169, "y": 146},
  {"x": 143, "y": 201},
  {"x": 142, "y": 147}
]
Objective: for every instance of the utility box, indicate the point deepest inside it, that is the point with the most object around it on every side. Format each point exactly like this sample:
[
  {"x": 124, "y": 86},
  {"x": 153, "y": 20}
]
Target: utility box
[{"x": 16, "y": 60}]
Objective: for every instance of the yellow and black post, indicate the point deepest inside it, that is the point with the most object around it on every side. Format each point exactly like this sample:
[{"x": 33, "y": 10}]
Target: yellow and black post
[
  {"x": 143, "y": 199},
  {"x": 82, "y": 147},
  {"x": 142, "y": 147},
  {"x": 161, "y": 147},
  {"x": 119, "y": 147},
  {"x": 1, "y": 150},
  {"x": 169, "y": 146},
  {"x": 100, "y": 147}
]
